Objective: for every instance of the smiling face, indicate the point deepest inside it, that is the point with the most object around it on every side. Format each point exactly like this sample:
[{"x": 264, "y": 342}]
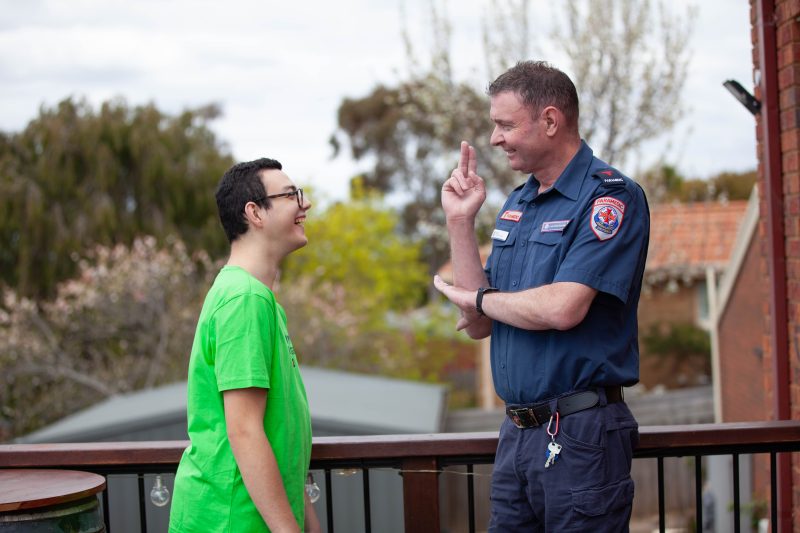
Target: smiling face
[
  {"x": 284, "y": 219},
  {"x": 521, "y": 136}
]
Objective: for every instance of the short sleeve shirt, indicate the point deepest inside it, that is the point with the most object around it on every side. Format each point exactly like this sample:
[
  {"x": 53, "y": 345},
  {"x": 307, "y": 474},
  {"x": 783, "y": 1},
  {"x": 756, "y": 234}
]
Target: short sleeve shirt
[
  {"x": 591, "y": 227},
  {"x": 241, "y": 341}
]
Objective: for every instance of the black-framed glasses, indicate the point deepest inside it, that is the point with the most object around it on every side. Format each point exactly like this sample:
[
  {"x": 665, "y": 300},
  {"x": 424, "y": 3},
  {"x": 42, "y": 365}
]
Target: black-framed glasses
[{"x": 298, "y": 193}]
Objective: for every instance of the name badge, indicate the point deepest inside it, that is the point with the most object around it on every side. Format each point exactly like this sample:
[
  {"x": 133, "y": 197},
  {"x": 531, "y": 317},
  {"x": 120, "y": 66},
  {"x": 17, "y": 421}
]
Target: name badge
[
  {"x": 554, "y": 226},
  {"x": 513, "y": 216},
  {"x": 499, "y": 235}
]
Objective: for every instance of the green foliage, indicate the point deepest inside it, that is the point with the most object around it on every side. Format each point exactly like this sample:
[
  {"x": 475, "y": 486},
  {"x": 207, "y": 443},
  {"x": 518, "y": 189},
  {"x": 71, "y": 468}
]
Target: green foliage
[
  {"x": 413, "y": 132},
  {"x": 126, "y": 322},
  {"x": 684, "y": 339},
  {"x": 349, "y": 297},
  {"x": 76, "y": 177},
  {"x": 330, "y": 329},
  {"x": 678, "y": 346},
  {"x": 357, "y": 246},
  {"x": 664, "y": 183},
  {"x": 734, "y": 185}
]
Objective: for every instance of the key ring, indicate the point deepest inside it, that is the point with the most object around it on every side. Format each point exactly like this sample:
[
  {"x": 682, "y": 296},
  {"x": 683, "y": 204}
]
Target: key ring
[{"x": 553, "y": 434}]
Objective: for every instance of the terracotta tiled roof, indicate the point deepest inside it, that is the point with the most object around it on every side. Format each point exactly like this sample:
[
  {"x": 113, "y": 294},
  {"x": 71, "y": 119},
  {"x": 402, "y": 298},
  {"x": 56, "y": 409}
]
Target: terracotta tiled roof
[
  {"x": 684, "y": 239},
  {"x": 687, "y": 238}
]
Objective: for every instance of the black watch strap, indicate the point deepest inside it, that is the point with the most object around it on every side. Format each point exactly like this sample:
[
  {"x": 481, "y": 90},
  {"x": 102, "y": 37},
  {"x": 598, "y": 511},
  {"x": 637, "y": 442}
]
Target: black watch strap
[{"x": 479, "y": 298}]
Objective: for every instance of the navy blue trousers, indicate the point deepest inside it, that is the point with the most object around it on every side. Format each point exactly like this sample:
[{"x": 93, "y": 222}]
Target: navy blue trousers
[{"x": 588, "y": 488}]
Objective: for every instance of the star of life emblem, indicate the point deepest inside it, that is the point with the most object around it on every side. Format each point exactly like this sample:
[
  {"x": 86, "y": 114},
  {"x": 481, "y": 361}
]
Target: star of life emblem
[{"x": 606, "y": 219}]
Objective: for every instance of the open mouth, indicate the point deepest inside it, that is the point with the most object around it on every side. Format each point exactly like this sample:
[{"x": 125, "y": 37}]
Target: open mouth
[{"x": 300, "y": 221}]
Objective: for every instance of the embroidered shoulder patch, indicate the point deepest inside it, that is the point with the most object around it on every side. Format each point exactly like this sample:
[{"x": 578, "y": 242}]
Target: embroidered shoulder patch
[
  {"x": 610, "y": 178},
  {"x": 513, "y": 216},
  {"x": 606, "y": 218}
]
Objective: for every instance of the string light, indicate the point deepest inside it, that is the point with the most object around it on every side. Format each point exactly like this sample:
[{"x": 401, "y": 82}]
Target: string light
[
  {"x": 159, "y": 494},
  {"x": 312, "y": 489}
]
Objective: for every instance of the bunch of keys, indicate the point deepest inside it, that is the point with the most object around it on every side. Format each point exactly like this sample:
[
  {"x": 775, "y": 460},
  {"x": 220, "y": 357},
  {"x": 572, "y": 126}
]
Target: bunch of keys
[{"x": 553, "y": 448}]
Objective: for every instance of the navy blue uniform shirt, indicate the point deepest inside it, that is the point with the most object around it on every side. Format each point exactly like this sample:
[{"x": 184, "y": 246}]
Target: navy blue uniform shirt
[{"x": 591, "y": 227}]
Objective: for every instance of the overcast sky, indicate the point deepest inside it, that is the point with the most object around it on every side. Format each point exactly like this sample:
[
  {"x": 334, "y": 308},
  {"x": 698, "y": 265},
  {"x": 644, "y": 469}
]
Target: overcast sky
[{"x": 280, "y": 69}]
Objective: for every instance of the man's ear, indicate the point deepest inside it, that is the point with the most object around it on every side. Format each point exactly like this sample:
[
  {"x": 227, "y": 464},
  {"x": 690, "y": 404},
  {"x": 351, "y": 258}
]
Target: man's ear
[
  {"x": 253, "y": 214},
  {"x": 552, "y": 118}
]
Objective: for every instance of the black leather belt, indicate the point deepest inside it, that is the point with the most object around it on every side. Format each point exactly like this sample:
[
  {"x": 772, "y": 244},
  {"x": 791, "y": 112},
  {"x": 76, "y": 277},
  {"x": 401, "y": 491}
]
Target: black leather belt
[{"x": 533, "y": 415}]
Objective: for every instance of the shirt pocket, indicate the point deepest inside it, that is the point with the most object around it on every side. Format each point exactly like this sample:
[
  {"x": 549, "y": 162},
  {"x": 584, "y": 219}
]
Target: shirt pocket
[
  {"x": 542, "y": 259},
  {"x": 502, "y": 255}
]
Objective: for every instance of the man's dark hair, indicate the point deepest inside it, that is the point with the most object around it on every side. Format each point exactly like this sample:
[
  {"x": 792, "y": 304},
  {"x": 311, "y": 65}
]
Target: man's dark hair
[
  {"x": 239, "y": 185},
  {"x": 539, "y": 85}
]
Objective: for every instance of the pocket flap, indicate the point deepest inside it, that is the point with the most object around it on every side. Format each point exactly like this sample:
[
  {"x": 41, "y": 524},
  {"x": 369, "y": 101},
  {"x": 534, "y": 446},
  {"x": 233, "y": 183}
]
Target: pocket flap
[{"x": 550, "y": 238}]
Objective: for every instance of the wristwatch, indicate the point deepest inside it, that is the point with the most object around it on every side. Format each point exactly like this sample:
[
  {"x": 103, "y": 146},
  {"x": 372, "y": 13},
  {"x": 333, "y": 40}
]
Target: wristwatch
[{"x": 479, "y": 298}]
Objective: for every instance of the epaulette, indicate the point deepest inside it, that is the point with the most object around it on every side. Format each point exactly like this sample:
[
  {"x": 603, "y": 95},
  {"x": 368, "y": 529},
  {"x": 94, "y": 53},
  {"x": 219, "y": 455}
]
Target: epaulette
[{"x": 610, "y": 177}]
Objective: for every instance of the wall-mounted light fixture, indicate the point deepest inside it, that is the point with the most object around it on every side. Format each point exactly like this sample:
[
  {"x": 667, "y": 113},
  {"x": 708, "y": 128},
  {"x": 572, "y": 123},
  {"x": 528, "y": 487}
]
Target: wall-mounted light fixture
[{"x": 741, "y": 94}]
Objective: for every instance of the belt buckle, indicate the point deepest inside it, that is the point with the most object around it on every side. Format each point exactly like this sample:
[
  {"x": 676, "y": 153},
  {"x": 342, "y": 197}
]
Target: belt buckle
[{"x": 523, "y": 417}]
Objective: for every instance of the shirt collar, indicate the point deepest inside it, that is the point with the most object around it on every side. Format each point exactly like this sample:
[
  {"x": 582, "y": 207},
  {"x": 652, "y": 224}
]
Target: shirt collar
[{"x": 569, "y": 182}]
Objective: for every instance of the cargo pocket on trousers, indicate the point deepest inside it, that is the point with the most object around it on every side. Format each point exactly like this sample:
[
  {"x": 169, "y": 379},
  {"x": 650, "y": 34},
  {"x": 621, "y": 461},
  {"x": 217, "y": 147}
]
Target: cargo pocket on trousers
[{"x": 603, "y": 501}]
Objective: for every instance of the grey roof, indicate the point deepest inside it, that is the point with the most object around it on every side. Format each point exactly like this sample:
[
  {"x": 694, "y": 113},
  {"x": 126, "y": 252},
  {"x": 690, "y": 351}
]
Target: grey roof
[
  {"x": 372, "y": 404},
  {"x": 341, "y": 403},
  {"x": 121, "y": 414}
]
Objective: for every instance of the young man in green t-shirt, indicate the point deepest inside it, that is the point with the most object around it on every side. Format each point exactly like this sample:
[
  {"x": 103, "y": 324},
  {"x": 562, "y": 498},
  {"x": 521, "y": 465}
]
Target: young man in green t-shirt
[{"x": 248, "y": 418}]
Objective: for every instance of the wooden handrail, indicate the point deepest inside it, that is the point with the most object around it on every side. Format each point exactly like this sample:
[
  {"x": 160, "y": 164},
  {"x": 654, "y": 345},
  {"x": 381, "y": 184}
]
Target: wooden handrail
[
  {"x": 654, "y": 440},
  {"x": 418, "y": 457}
]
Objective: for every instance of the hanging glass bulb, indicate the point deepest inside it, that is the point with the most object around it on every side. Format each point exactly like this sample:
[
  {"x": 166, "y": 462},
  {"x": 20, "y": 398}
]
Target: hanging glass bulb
[
  {"x": 159, "y": 494},
  {"x": 312, "y": 489}
]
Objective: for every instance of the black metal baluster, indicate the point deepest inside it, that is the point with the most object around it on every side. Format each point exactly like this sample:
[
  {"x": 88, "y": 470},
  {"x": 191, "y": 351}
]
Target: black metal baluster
[
  {"x": 662, "y": 518},
  {"x": 471, "y": 497},
  {"x": 736, "y": 504},
  {"x": 142, "y": 509},
  {"x": 698, "y": 490},
  {"x": 367, "y": 517},
  {"x": 773, "y": 487},
  {"x": 329, "y": 499}
]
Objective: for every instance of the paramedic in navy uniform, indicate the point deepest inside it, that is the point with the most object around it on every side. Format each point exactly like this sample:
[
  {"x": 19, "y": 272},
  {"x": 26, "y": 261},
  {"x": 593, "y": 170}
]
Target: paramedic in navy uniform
[{"x": 558, "y": 295}]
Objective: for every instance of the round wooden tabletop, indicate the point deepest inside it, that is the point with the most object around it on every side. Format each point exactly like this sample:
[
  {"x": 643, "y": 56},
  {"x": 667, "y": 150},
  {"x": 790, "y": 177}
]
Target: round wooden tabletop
[{"x": 32, "y": 488}]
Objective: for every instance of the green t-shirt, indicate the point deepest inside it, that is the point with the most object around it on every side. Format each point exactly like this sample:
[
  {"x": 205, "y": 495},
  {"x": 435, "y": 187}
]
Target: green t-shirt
[{"x": 241, "y": 341}]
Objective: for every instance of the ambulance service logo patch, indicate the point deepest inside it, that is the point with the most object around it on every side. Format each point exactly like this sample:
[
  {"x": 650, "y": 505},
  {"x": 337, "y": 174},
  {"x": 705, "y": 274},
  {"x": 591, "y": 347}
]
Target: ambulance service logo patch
[{"x": 606, "y": 218}]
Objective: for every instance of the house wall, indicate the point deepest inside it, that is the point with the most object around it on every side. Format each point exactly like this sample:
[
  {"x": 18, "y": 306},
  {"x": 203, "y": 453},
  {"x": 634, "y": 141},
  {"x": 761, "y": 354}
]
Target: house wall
[
  {"x": 741, "y": 334},
  {"x": 787, "y": 25}
]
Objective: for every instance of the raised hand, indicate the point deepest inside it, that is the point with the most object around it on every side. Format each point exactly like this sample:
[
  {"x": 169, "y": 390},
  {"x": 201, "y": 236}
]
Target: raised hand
[{"x": 464, "y": 191}]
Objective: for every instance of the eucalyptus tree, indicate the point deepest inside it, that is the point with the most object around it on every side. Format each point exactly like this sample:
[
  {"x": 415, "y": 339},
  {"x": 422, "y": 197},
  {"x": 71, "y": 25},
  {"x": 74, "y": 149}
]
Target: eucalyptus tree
[{"x": 76, "y": 177}]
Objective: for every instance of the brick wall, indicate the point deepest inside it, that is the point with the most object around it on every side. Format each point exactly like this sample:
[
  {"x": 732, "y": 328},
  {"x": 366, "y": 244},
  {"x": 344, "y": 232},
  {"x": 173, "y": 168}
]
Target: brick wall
[
  {"x": 787, "y": 19},
  {"x": 741, "y": 335}
]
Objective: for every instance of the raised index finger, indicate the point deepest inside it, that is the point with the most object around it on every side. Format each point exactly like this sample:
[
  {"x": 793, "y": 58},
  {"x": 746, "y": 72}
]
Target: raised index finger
[
  {"x": 463, "y": 163},
  {"x": 472, "y": 162}
]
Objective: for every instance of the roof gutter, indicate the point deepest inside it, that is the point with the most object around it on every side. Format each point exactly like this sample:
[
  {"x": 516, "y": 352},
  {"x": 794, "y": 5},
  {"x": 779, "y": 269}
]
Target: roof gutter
[{"x": 776, "y": 256}]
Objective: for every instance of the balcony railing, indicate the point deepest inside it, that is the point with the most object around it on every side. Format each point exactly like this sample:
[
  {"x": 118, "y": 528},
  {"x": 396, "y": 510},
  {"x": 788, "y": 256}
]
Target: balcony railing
[{"x": 422, "y": 458}]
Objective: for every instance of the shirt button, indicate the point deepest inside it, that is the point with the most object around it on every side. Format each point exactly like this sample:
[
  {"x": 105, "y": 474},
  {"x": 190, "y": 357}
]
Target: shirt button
[
  {"x": 514, "y": 283},
  {"x": 502, "y": 365},
  {"x": 523, "y": 244}
]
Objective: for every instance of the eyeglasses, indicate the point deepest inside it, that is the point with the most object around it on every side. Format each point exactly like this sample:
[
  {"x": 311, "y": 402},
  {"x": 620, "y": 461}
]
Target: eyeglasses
[{"x": 297, "y": 193}]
